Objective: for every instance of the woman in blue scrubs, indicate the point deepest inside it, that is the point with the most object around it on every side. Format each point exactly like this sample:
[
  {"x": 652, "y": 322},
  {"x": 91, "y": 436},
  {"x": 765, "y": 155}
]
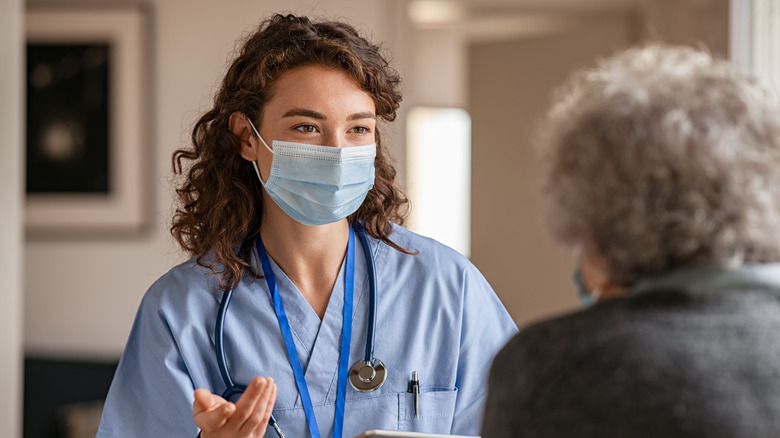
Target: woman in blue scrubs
[{"x": 284, "y": 174}]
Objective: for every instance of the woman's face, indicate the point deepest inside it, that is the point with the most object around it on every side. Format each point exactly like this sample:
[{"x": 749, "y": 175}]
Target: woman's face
[{"x": 315, "y": 105}]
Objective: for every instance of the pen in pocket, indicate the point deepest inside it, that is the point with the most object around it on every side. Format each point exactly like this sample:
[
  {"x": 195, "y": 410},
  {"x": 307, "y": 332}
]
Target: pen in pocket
[{"x": 415, "y": 389}]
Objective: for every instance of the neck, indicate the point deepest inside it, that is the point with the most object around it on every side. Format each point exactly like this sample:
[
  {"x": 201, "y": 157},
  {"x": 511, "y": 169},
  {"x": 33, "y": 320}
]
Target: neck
[{"x": 310, "y": 256}]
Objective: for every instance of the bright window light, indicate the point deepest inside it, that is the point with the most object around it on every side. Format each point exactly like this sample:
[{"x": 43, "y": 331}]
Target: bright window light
[
  {"x": 438, "y": 159},
  {"x": 435, "y": 11},
  {"x": 766, "y": 39}
]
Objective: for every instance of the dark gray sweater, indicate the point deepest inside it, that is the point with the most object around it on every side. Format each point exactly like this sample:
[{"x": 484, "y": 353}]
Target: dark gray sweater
[{"x": 693, "y": 354}]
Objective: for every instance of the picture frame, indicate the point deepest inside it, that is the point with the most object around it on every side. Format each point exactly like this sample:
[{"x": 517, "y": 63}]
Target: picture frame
[{"x": 86, "y": 120}]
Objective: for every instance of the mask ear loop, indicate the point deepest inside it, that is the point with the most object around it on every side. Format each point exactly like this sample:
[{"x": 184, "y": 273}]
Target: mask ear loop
[
  {"x": 257, "y": 171},
  {"x": 254, "y": 163},
  {"x": 258, "y": 135}
]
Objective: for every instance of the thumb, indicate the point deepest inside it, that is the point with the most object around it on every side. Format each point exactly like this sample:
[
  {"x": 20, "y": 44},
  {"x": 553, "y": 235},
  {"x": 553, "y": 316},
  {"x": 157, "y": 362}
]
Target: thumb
[{"x": 203, "y": 400}]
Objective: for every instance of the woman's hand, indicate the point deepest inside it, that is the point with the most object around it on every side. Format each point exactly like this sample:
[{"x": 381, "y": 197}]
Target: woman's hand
[{"x": 247, "y": 418}]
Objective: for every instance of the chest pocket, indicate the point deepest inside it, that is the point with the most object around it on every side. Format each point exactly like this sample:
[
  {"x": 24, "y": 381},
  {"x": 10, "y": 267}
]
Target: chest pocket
[
  {"x": 394, "y": 411},
  {"x": 436, "y": 410}
]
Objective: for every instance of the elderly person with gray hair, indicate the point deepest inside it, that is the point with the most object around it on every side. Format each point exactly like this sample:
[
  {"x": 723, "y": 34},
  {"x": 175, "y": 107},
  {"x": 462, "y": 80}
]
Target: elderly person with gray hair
[{"x": 664, "y": 176}]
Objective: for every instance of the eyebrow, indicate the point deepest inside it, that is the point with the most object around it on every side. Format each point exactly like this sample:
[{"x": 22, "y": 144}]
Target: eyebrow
[
  {"x": 319, "y": 116},
  {"x": 364, "y": 115}
]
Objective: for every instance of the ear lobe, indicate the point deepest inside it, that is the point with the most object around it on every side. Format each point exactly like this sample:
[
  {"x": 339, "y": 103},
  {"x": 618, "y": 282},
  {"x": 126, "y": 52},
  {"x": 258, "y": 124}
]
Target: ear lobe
[{"x": 239, "y": 126}]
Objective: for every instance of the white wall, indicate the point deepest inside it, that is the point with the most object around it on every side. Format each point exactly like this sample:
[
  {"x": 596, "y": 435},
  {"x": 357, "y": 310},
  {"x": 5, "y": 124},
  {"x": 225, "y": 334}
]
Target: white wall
[
  {"x": 81, "y": 294},
  {"x": 510, "y": 87},
  {"x": 511, "y": 82},
  {"x": 11, "y": 111}
]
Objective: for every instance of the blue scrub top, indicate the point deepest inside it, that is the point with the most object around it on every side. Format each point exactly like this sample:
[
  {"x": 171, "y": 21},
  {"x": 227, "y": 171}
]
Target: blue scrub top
[{"x": 436, "y": 314}]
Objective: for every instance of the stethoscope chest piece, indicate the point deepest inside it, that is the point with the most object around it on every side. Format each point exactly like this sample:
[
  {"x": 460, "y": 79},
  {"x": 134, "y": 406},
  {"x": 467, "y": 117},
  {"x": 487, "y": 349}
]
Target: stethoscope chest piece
[{"x": 367, "y": 376}]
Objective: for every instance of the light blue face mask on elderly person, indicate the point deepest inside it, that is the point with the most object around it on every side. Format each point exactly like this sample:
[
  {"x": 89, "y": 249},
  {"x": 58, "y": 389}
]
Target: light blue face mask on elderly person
[
  {"x": 318, "y": 185},
  {"x": 587, "y": 298}
]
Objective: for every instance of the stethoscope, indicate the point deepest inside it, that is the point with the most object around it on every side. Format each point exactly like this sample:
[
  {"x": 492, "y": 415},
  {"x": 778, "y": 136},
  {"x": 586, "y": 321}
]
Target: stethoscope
[{"x": 366, "y": 375}]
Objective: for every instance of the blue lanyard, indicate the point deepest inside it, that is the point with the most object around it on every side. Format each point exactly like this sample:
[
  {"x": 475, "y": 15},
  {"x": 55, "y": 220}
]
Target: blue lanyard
[{"x": 292, "y": 352}]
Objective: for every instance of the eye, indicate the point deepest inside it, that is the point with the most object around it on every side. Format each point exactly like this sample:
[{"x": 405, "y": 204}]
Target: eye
[
  {"x": 360, "y": 130},
  {"x": 306, "y": 128}
]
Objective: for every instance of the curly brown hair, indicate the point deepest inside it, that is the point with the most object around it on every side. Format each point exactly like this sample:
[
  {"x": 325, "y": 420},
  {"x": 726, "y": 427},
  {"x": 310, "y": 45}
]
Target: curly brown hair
[{"x": 219, "y": 197}]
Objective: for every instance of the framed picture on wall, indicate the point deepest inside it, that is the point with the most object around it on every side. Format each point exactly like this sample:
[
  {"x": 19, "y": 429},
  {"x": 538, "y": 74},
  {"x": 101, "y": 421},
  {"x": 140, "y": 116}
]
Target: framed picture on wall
[{"x": 85, "y": 123}]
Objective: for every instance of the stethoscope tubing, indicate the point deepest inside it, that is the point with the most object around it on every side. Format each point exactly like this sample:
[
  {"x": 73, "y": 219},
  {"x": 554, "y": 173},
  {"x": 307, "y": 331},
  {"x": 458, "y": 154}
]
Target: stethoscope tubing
[
  {"x": 219, "y": 332},
  {"x": 369, "y": 357}
]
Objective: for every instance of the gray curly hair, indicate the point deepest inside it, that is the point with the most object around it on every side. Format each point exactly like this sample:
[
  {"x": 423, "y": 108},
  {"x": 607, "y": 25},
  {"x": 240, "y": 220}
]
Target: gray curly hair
[{"x": 665, "y": 157}]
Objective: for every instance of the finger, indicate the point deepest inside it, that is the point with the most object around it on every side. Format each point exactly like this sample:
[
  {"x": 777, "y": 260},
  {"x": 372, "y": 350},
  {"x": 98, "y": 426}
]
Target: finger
[
  {"x": 245, "y": 406},
  {"x": 269, "y": 408},
  {"x": 270, "y": 400},
  {"x": 265, "y": 405},
  {"x": 211, "y": 411},
  {"x": 203, "y": 400},
  {"x": 257, "y": 422},
  {"x": 215, "y": 418}
]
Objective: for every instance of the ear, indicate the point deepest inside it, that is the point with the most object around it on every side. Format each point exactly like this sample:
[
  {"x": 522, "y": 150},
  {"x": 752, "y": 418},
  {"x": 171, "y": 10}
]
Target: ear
[
  {"x": 239, "y": 126},
  {"x": 593, "y": 266},
  {"x": 596, "y": 270}
]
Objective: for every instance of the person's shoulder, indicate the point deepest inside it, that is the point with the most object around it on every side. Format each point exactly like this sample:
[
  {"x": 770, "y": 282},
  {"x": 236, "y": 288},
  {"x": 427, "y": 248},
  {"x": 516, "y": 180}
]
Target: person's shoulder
[
  {"x": 602, "y": 313},
  {"x": 625, "y": 320},
  {"x": 187, "y": 280},
  {"x": 430, "y": 262},
  {"x": 571, "y": 327},
  {"x": 425, "y": 248}
]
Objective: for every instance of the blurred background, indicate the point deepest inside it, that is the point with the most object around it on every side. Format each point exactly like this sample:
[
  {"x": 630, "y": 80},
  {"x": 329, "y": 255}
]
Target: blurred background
[{"x": 478, "y": 75}]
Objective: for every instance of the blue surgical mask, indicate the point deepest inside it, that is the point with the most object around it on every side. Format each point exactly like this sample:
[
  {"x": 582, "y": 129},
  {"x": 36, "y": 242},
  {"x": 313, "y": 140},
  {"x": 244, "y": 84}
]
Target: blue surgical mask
[
  {"x": 317, "y": 185},
  {"x": 586, "y": 298}
]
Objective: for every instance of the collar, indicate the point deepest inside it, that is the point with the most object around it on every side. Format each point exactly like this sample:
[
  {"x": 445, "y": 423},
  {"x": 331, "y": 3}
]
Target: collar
[{"x": 712, "y": 279}]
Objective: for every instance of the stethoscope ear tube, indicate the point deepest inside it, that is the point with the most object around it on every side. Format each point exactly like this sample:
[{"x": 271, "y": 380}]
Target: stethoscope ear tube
[
  {"x": 219, "y": 331},
  {"x": 231, "y": 388},
  {"x": 372, "y": 294},
  {"x": 370, "y": 373}
]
